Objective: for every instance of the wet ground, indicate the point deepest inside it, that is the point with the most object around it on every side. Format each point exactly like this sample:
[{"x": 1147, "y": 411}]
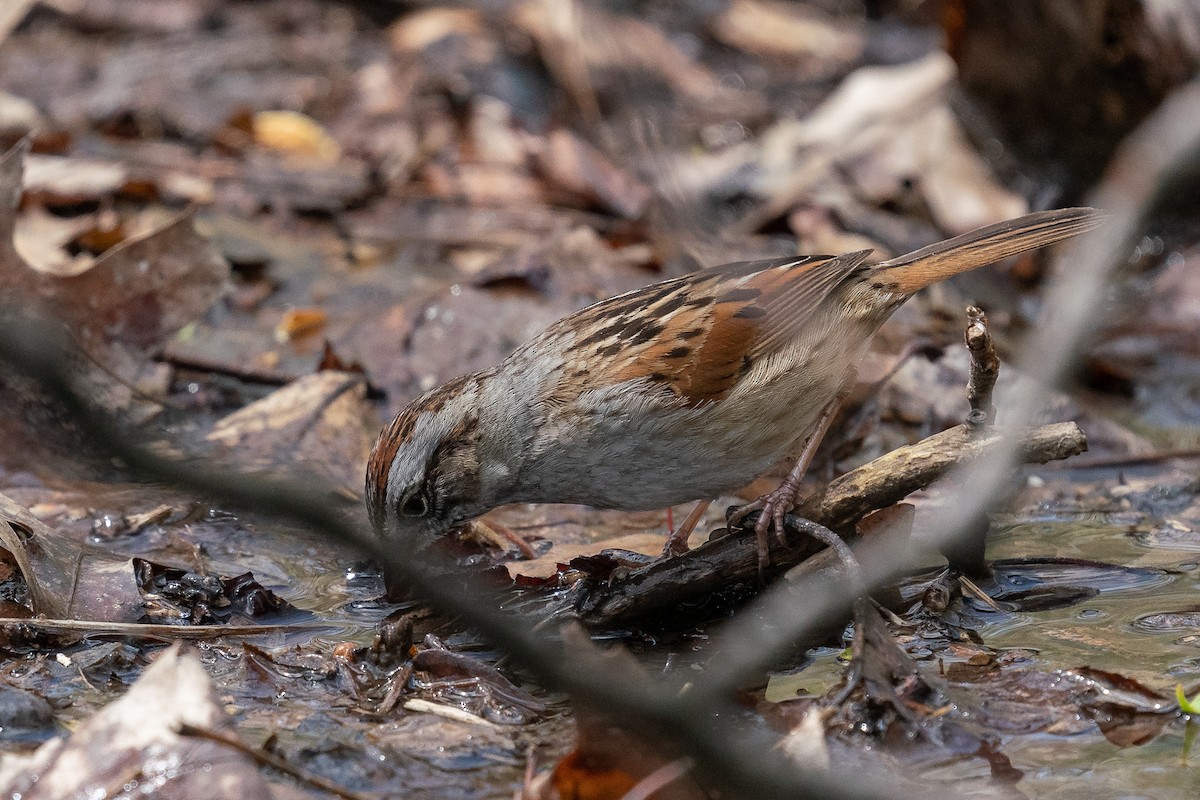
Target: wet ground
[{"x": 385, "y": 198}]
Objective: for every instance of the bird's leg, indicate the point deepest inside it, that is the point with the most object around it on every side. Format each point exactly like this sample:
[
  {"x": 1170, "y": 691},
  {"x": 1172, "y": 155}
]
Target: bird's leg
[
  {"x": 677, "y": 542},
  {"x": 775, "y": 505}
]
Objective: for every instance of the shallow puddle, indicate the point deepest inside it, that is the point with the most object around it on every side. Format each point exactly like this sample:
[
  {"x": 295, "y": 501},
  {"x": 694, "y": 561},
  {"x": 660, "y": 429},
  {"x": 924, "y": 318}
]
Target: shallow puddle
[{"x": 1108, "y": 631}]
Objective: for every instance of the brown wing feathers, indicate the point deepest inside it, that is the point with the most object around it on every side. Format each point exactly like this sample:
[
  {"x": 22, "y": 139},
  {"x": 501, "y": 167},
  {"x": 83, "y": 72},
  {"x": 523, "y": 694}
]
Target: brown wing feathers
[
  {"x": 696, "y": 336},
  {"x": 792, "y": 296},
  {"x": 708, "y": 328}
]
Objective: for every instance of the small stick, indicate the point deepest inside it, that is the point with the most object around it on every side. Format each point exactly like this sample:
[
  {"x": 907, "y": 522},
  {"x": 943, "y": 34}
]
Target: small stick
[
  {"x": 396, "y": 691},
  {"x": 966, "y": 552},
  {"x": 985, "y": 368},
  {"x": 834, "y": 542},
  {"x": 199, "y": 363},
  {"x": 507, "y": 534},
  {"x": 267, "y": 759},
  {"x": 971, "y": 587},
  {"x": 148, "y": 630},
  {"x": 846, "y": 500}
]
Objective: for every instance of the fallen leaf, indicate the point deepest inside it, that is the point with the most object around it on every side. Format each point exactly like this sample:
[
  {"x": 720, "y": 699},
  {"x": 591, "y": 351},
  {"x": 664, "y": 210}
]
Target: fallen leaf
[
  {"x": 424, "y": 27},
  {"x": 59, "y": 181},
  {"x": 18, "y": 116},
  {"x": 546, "y": 566},
  {"x": 136, "y": 295},
  {"x": 137, "y": 736},
  {"x": 298, "y": 322},
  {"x": 786, "y": 30},
  {"x": 581, "y": 169},
  {"x": 321, "y": 422},
  {"x": 44, "y": 559},
  {"x": 615, "y": 40},
  {"x": 294, "y": 134}
]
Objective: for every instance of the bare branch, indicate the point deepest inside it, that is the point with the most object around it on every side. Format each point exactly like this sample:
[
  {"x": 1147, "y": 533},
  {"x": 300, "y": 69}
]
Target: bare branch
[{"x": 885, "y": 481}]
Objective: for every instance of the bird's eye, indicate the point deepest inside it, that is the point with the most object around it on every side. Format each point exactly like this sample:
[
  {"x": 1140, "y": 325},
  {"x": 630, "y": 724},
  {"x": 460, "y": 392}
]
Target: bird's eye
[{"x": 414, "y": 505}]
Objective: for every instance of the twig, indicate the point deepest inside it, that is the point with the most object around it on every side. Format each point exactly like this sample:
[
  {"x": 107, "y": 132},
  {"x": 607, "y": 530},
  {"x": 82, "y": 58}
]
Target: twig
[
  {"x": 892, "y": 477},
  {"x": 972, "y": 588},
  {"x": 985, "y": 368},
  {"x": 169, "y": 633},
  {"x": 262, "y": 375},
  {"x": 267, "y": 760},
  {"x": 967, "y": 553},
  {"x": 1134, "y": 459},
  {"x": 399, "y": 683},
  {"x": 885, "y": 481}
]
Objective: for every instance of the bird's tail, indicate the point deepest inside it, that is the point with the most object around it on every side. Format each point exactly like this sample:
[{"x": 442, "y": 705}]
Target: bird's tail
[{"x": 981, "y": 247}]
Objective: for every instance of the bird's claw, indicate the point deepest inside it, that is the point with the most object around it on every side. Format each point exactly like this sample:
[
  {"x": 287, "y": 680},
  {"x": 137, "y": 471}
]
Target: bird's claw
[{"x": 772, "y": 507}]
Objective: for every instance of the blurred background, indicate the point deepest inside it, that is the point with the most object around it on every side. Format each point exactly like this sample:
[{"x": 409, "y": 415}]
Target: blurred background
[{"x": 270, "y": 224}]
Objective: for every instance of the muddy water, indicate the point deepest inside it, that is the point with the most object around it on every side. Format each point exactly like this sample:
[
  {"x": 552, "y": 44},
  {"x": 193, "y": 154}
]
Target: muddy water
[
  {"x": 1142, "y": 624},
  {"x": 1125, "y": 629}
]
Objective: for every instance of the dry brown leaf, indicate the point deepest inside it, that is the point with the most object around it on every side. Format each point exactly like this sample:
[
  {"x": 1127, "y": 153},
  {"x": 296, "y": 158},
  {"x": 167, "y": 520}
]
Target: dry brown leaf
[
  {"x": 484, "y": 184},
  {"x": 545, "y": 566},
  {"x": 321, "y": 422},
  {"x": 41, "y": 241},
  {"x": 136, "y": 295},
  {"x": 43, "y": 558},
  {"x": 957, "y": 185},
  {"x": 66, "y": 579},
  {"x": 55, "y": 180},
  {"x": 422, "y": 28},
  {"x": 18, "y": 116},
  {"x": 887, "y": 131},
  {"x": 574, "y": 38},
  {"x": 61, "y": 181},
  {"x": 583, "y": 170},
  {"x": 298, "y": 322},
  {"x": 495, "y": 138},
  {"x": 294, "y": 134}
]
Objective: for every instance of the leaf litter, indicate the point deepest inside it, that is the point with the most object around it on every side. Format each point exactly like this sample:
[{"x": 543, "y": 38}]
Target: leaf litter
[{"x": 417, "y": 195}]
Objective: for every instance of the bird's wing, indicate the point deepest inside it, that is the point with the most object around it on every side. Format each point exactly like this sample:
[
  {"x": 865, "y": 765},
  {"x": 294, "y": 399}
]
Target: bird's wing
[{"x": 696, "y": 336}]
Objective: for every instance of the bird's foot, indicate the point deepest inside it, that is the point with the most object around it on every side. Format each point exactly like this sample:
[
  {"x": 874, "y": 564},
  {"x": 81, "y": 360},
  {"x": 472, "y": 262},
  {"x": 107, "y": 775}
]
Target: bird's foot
[
  {"x": 772, "y": 508},
  {"x": 677, "y": 540}
]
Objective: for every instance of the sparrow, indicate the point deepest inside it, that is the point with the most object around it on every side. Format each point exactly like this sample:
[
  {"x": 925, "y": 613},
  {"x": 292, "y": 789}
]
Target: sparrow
[{"x": 681, "y": 390}]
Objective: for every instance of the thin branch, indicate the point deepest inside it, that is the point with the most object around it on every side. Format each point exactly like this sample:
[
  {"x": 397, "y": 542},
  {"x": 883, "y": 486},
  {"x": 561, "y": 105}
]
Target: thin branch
[
  {"x": 145, "y": 630},
  {"x": 267, "y": 760},
  {"x": 883, "y": 482},
  {"x": 218, "y": 366}
]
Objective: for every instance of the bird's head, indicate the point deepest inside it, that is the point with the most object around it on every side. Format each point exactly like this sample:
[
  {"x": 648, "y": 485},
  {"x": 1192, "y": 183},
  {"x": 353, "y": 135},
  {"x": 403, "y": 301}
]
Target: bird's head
[{"x": 423, "y": 475}]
